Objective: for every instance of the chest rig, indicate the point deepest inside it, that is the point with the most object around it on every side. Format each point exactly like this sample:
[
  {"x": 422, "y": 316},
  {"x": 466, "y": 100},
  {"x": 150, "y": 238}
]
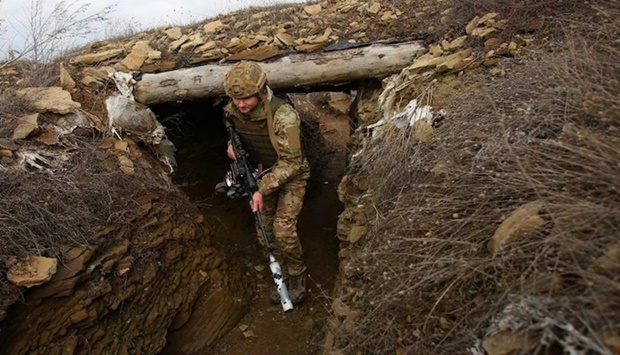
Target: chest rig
[{"x": 257, "y": 133}]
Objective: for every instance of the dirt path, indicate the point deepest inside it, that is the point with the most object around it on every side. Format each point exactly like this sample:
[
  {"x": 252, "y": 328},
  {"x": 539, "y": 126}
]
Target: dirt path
[{"x": 266, "y": 328}]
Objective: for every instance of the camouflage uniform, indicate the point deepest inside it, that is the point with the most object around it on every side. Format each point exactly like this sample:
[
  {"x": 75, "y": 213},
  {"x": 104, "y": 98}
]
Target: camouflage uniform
[{"x": 283, "y": 187}]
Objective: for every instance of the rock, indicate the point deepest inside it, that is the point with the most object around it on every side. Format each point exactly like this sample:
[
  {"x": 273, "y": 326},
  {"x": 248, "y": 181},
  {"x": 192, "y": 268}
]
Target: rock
[
  {"x": 339, "y": 101},
  {"x": 213, "y": 54},
  {"x": 455, "y": 61},
  {"x": 101, "y": 74},
  {"x": 508, "y": 342},
  {"x": 32, "y": 271},
  {"x": 126, "y": 165},
  {"x": 522, "y": 221},
  {"x": 497, "y": 72},
  {"x": 242, "y": 44},
  {"x": 205, "y": 47},
  {"x": 93, "y": 58},
  {"x": 213, "y": 27},
  {"x": 483, "y": 31},
  {"x": 472, "y": 25},
  {"x": 285, "y": 39},
  {"x": 49, "y": 137},
  {"x": 436, "y": 50},
  {"x": 422, "y": 131},
  {"x": 92, "y": 82},
  {"x": 174, "y": 33},
  {"x": 388, "y": 15},
  {"x": 492, "y": 44},
  {"x": 176, "y": 44},
  {"x": 608, "y": 263},
  {"x": 139, "y": 53},
  {"x": 313, "y": 9},
  {"x": 27, "y": 126},
  {"x": 356, "y": 233},
  {"x": 488, "y": 19},
  {"x": 66, "y": 81},
  {"x": 489, "y": 62},
  {"x": 49, "y": 99},
  {"x": 7, "y": 144},
  {"x": 66, "y": 278},
  {"x": 193, "y": 41},
  {"x": 248, "y": 334},
  {"x": 426, "y": 61},
  {"x": 457, "y": 42},
  {"x": 257, "y": 54},
  {"x": 159, "y": 66},
  {"x": 374, "y": 8}
]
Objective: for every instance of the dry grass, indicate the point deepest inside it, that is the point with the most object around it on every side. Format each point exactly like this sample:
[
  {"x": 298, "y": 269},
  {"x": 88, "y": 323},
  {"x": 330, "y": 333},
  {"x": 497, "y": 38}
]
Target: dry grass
[
  {"x": 41, "y": 212},
  {"x": 426, "y": 280},
  {"x": 12, "y": 107}
]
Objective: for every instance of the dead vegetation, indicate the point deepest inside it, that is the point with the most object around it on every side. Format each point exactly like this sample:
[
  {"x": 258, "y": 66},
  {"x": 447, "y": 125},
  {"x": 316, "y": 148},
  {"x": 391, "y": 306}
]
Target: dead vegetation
[
  {"x": 428, "y": 280},
  {"x": 64, "y": 201}
]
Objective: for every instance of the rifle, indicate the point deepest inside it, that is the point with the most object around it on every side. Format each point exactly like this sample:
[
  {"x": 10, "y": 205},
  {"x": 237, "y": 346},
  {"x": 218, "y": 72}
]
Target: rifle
[{"x": 241, "y": 181}]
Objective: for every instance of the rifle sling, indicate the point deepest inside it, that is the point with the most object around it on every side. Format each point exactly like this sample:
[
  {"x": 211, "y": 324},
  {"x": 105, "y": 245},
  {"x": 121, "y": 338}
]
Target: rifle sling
[{"x": 270, "y": 125}]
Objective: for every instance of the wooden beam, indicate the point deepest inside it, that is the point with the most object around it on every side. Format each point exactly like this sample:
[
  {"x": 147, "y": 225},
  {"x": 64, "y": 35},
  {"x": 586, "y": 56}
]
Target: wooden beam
[{"x": 294, "y": 71}]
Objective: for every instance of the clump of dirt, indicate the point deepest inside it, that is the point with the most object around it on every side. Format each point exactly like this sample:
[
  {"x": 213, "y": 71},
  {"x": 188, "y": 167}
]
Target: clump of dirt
[{"x": 450, "y": 264}]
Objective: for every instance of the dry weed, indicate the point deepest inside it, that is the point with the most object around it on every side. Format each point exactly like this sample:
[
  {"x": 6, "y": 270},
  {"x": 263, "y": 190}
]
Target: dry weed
[
  {"x": 43, "y": 212},
  {"x": 549, "y": 133}
]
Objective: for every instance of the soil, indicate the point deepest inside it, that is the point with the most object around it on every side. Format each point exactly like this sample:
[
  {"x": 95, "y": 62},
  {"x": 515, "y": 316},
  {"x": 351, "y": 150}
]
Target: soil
[{"x": 266, "y": 328}]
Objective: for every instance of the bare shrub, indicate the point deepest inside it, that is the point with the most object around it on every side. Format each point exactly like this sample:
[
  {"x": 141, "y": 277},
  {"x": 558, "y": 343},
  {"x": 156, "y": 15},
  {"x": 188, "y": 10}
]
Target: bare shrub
[
  {"x": 426, "y": 279},
  {"x": 43, "y": 212},
  {"x": 41, "y": 35}
]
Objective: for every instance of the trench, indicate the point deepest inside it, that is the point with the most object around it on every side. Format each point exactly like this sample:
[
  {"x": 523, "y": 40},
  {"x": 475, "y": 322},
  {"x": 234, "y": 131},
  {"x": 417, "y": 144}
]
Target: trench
[{"x": 198, "y": 132}]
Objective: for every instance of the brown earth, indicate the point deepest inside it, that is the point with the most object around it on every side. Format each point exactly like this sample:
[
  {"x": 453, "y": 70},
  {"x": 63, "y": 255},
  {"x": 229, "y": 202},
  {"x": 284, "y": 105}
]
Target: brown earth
[
  {"x": 430, "y": 200},
  {"x": 266, "y": 328}
]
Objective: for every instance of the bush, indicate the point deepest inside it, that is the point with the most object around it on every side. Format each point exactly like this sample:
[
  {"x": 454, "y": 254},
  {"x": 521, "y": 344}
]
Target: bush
[{"x": 426, "y": 281}]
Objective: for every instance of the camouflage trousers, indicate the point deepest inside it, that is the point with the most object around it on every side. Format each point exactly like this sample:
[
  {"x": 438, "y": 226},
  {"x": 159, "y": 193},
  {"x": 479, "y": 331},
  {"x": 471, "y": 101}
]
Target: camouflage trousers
[{"x": 280, "y": 213}]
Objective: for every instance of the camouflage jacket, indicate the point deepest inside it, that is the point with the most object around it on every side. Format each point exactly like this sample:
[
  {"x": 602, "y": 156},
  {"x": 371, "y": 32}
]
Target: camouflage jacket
[{"x": 291, "y": 163}]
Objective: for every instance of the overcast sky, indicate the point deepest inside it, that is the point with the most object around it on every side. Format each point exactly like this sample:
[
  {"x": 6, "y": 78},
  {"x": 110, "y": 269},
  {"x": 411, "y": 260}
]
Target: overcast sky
[{"x": 141, "y": 14}]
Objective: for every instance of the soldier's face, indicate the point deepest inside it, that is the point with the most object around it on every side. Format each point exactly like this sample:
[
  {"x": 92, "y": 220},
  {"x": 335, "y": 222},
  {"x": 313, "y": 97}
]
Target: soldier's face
[{"x": 246, "y": 104}]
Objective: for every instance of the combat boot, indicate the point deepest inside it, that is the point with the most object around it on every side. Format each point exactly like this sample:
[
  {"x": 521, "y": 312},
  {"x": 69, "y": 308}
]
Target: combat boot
[
  {"x": 297, "y": 288},
  {"x": 275, "y": 296}
]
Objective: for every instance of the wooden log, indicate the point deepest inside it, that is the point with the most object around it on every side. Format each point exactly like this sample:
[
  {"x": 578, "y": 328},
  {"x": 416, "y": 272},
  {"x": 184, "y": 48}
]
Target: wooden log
[{"x": 293, "y": 71}]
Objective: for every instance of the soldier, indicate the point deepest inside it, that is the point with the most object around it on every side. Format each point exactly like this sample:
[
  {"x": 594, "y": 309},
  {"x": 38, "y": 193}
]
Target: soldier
[{"x": 270, "y": 129}]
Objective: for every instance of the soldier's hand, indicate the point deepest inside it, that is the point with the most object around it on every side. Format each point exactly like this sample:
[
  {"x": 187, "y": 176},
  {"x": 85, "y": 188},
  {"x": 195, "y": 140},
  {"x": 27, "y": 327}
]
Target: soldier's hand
[
  {"x": 231, "y": 152},
  {"x": 257, "y": 202}
]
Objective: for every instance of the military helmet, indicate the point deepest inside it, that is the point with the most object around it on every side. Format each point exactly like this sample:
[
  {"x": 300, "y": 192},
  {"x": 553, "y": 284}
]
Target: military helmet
[{"x": 244, "y": 79}]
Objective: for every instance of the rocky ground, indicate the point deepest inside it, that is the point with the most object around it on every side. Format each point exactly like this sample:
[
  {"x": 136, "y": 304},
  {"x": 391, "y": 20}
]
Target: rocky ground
[{"x": 480, "y": 195}]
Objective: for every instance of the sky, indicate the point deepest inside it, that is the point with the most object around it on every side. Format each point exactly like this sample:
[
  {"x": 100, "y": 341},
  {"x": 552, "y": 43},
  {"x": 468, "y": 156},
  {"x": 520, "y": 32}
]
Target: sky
[{"x": 126, "y": 15}]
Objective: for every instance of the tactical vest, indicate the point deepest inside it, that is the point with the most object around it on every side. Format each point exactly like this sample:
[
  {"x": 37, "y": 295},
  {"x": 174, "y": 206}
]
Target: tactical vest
[{"x": 255, "y": 134}]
